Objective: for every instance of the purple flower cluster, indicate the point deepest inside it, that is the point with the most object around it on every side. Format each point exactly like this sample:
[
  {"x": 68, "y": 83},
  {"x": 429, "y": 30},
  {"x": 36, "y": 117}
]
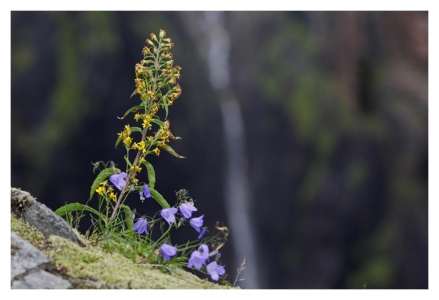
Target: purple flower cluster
[
  {"x": 186, "y": 210},
  {"x": 198, "y": 259}
]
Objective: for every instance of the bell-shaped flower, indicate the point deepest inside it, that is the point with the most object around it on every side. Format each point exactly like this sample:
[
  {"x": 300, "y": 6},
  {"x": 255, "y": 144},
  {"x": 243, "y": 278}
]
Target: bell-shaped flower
[
  {"x": 146, "y": 192},
  {"x": 119, "y": 180},
  {"x": 141, "y": 226},
  {"x": 168, "y": 251},
  {"x": 186, "y": 210},
  {"x": 214, "y": 270},
  {"x": 196, "y": 223},
  {"x": 168, "y": 214},
  {"x": 198, "y": 257}
]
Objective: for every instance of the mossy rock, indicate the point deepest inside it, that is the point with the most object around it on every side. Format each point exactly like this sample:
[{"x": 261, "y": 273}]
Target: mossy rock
[{"x": 89, "y": 263}]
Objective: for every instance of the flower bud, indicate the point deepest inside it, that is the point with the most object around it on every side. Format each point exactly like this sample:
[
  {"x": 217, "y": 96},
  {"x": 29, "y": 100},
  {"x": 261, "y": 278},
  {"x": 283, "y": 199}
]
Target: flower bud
[{"x": 162, "y": 33}]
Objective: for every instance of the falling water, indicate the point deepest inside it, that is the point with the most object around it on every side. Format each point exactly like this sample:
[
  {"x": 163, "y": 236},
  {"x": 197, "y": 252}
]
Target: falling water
[{"x": 216, "y": 51}]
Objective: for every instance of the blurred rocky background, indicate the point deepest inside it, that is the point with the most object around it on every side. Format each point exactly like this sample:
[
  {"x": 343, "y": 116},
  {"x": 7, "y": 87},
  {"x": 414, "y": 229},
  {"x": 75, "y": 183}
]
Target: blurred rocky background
[{"x": 334, "y": 108}]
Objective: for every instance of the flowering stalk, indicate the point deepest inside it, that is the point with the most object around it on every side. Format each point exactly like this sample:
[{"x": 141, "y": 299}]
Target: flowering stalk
[{"x": 156, "y": 84}]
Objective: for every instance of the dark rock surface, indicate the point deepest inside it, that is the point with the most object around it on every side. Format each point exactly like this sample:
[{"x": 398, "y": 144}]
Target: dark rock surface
[
  {"x": 40, "y": 216},
  {"x": 25, "y": 257}
]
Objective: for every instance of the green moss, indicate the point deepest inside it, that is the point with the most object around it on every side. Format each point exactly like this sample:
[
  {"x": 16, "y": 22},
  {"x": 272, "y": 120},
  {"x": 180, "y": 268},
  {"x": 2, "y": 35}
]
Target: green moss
[
  {"x": 115, "y": 270},
  {"x": 26, "y": 231}
]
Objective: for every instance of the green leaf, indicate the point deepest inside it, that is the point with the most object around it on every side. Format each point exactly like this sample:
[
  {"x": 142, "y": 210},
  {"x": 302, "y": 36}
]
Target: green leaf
[
  {"x": 128, "y": 213},
  {"x": 170, "y": 150},
  {"x": 101, "y": 177},
  {"x": 165, "y": 104},
  {"x": 159, "y": 198},
  {"x": 133, "y": 93},
  {"x": 119, "y": 139},
  {"x": 68, "y": 208},
  {"x": 157, "y": 121},
  {"x": 151, "y": 174},
  {"x": 128, "y": 161},
  {"x": 130, "y": 110},
  {"x": 136, "y": 129}
]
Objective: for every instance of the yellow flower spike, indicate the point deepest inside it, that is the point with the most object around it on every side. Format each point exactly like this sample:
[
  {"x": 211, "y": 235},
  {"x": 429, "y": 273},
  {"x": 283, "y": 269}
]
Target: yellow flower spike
[
  {"x": 135, "y": 180},
  {"x": 137, "y": 116}
]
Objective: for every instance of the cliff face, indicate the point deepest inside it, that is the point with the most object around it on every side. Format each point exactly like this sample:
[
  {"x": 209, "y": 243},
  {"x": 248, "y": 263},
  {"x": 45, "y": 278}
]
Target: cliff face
[{"x": 44, "y": 257}]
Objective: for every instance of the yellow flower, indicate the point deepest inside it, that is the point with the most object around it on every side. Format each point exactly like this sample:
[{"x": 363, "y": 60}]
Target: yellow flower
[
  {"x": 112, "y": 196},
  {"x": 135, "y": 180},
  {"x": 127, "y": 141},
  {"x": 136, "y": 168},
  {"x": 141, "y": 146},
  {"x": 146, "y": 123},
  {"x": 156, "y": 151},
  {"x": 100, "y": 190},
  {"x": 141, "y": 160},
  {"x": 137, "y": 116}
]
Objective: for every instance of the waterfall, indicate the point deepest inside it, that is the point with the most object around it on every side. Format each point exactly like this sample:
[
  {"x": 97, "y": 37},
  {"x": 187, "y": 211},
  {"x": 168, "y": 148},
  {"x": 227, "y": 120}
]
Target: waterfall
[{"x": 215, "y": 50}]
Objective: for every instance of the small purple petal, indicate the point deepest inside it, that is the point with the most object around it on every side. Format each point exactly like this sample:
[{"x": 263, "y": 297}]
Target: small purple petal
[
  {"x": 146, "y": 192},
  {"x": 141, "y": 226},
  {"x": 196, "y": 223},
  {"x": 187, "y": 209},
  {"x": 167, "y": 251},
  {"x": 203, "y": 232},
  {"x": 168, "y": 214},
  {"x": 119, "y": 180}
]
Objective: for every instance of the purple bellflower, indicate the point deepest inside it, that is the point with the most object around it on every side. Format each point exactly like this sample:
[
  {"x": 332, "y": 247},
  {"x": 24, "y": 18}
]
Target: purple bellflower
[
  {"x": 141, "y": 226},
  {"x": 214, "y": 270},
  {"x": 197, "y": 223},
  {"x": 198, "y": 258},
  {"x": 168, "y": 214},
  {"x": 187, "y": 209},
  {"x": 167, "y": 251},
  {"x": 119, "y": 180},
  {"x": 146, "y": 192}
]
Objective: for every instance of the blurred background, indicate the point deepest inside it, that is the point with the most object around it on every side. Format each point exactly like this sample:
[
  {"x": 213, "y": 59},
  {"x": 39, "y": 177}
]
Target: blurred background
[{"x": 306, "y": 133}]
